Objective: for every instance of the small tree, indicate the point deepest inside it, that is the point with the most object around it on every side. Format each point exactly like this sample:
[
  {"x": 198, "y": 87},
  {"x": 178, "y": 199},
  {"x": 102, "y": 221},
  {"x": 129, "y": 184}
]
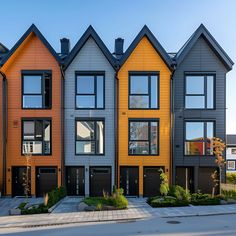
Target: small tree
[
  {"x": 26, "y": 176},
  {"x": 164, "y": 187},
  {"x": 218, "y": 150}
]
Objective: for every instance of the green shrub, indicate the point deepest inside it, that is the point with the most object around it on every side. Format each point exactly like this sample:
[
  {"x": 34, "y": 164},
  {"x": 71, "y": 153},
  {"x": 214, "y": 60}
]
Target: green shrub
[
  {"x": 229, "y": 194},
  {"x": 164, "y": 187},
  {"x": 204, "y": 199},
  {"x": 231, "y": 178},
  {"x": 53, "y": 197},
  {"x": 120, "y": 202},
  {"x": 167, "y": 201},
  {"x": 179, "y": 193},
  {"x": 22, "y": 205}
]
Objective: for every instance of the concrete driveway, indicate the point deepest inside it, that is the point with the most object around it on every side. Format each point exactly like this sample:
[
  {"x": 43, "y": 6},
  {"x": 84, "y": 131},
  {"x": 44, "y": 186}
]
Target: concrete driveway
[{"x": 7, "y": 203}]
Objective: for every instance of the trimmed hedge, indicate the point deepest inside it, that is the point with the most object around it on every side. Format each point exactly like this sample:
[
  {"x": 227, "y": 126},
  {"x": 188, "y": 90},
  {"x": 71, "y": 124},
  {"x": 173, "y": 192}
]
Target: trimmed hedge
[
  {"x": 198, "y": 199},
  {"x": 167, "y": 201}
]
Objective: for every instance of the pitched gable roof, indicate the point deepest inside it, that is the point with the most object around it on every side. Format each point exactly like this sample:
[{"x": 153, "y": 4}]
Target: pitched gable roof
[
  {"x": 90, "y": 32},
  {"x": 3, "y": 48},
  {"x": 145, "y": 31},
  {"x": 31, "y": 29},
  {"x": 202, "y": 31}
]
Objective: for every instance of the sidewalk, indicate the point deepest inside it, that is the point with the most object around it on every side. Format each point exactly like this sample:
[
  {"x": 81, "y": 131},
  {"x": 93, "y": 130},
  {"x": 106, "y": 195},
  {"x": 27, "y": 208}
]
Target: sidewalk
[{"x": 138, "y": 209}]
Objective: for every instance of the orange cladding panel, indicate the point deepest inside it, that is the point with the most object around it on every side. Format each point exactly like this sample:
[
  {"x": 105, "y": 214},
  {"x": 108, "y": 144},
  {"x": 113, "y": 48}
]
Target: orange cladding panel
[{"x": 145, "y": 58}]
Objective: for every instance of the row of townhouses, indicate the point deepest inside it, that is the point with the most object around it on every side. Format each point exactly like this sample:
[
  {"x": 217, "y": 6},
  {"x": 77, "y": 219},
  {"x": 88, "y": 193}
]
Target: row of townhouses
[{"x": 91, "y": 119}]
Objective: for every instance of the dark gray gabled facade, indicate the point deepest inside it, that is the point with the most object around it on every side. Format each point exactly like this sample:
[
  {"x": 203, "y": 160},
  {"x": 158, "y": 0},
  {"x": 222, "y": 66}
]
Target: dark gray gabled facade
[{"x": 199, "y": 109}]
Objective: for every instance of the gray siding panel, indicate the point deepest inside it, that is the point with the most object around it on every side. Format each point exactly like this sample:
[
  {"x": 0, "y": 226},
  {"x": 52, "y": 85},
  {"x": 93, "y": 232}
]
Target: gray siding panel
[
  {"x": 90, "y": 58},
  {"x": 201, "y": 58}
]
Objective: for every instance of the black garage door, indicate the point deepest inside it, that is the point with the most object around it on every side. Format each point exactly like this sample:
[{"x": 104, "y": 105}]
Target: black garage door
[
  {"x": 129, "y": 180},
  {"x": 100, "y": 180},
  {"x": 46, "y": 180},
  {"x": 205, "y": 183},
  {"x": 75, "y": 181},
  {"x": 19, "y": 181},
  {"x": 151, "y": 181},
  {"x": 185, "y": 177}
]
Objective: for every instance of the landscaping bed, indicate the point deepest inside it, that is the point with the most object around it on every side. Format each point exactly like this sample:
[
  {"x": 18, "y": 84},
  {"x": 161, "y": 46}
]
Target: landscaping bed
[
  {"x": 116, "y": 201},
  {"x": 50, "y": 200}
]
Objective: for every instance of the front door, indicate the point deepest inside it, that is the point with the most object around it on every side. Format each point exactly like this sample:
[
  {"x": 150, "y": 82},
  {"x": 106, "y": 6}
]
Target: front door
[
  {"x": 151, "y": 181},
  {"x": 100, "y": 181},
  {"x": 129, "y": 180},
  {"x": 20, "y": 182},
  {"x": 185, "y": 177},
  {"x": 75, "y": 181},
  {"x": 46, "y": 180}
]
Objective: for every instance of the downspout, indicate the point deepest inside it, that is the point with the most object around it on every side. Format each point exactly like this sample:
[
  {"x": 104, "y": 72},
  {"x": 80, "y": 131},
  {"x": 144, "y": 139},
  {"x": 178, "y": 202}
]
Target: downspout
[
  {"x": 172, "y": 125},
  {"x": 4, "y": 129},
  {"x": 62, "y": 128},
  {"x": 116, "y": 120}
]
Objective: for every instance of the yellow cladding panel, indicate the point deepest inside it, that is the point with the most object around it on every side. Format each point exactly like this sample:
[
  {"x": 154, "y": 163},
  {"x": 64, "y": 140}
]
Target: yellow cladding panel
[{"x": 145, "y": 58}]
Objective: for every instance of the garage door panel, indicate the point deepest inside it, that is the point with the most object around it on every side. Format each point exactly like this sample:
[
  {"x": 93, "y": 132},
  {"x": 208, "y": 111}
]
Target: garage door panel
[
  {"x": 151, "y": 181},
  {"x": 46, "y": 180},
  {"x": 100, "y": 180}
]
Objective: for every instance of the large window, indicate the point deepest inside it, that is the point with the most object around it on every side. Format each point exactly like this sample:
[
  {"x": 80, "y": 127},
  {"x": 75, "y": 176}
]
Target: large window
[
  {"x": 199, "y": 92},
  {"x": 198, "y": 138},
  {"x": 36, "y": 137},
  {"x": 90, "y": 137},
  {"x": 143, "y": 91},
  {"x": 143, "y": 137},
  {"x": 90, "y": 91},
  {"x": 37, "y": 90}
]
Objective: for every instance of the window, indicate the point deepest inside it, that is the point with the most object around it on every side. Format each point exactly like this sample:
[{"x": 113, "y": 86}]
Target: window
[
  {"x": 36, "y": 137},
  {"x": 198, "y": 138},
  {"x": 89, "y": 137},
  {"x": 233, "y": 151},
  {"x": 37, "y": 90},
  {"x": 143, "y": 137},
  {"x": 90, "y": 91},
  {"x": 199, "y": 92},
  {"x": 143, "y": 91},
  {"x": 231, "y": 165}
]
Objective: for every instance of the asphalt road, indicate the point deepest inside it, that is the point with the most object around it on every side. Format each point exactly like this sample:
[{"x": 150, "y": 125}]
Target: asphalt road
[{"x": 221, "y": 225}]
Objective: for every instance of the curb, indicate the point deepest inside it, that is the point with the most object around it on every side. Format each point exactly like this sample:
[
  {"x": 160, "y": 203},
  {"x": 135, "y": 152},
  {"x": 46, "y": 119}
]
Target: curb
[
  {"x": 50, "y": 210},
  {"x": 72, "y": 222}
]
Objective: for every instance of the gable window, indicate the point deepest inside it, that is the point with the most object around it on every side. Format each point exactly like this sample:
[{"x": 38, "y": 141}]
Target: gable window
[
  {"x": 90, "y": 137},
  {"x": 143, "y": 137},
  {"x": 198, "y": 137},
  {"x": 143, "y": 91},
  {"x": 37, "y": 90},
  {"x": 199, "y": 92},
  {"x": 36, "y": 137},
  {"x": 90, "y": 91},
  {"x": 231, "y": 165}
]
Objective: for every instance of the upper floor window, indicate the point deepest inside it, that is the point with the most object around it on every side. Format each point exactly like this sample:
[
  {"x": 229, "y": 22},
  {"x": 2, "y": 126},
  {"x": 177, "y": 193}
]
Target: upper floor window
[
  {"x": 37, "y": 90},
  {"x": 143, "y": 137},
  {"x": 90, "y": 137},
  {"x": 198, "y": 137},
  {"x": 199, "y": 91},
  {"x": 233, "y": 151},
  {"x": 90, "y": 91},
  {"x": 143, "y": 91},
  {"x": 36, "y": 136}
]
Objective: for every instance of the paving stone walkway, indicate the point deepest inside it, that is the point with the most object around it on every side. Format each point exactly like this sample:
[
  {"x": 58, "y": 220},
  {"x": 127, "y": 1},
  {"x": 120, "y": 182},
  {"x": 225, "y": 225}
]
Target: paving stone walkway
[
  {"x": 137, "y": 209},
  {"x": 7, "y": 203}
]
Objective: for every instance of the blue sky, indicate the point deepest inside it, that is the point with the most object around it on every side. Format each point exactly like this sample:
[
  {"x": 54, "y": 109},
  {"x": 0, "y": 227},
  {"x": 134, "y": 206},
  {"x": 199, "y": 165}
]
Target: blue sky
[{"x": 172, "y": 22}]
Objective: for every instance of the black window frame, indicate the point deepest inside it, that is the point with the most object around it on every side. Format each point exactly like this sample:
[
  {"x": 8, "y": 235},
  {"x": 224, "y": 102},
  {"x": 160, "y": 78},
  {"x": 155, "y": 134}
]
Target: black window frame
[
  {"x": 205, "y": 75},
  {"x": 205, "y": 135},
  {"x": 41, "y": 73},
  {"x": 148, "y": 74},
  {"x": 149, "y": 120},
  {"x": 47, "y": 119},
  {"x": 94, "y": 74},
  {"x": 94, "y": 119}
]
